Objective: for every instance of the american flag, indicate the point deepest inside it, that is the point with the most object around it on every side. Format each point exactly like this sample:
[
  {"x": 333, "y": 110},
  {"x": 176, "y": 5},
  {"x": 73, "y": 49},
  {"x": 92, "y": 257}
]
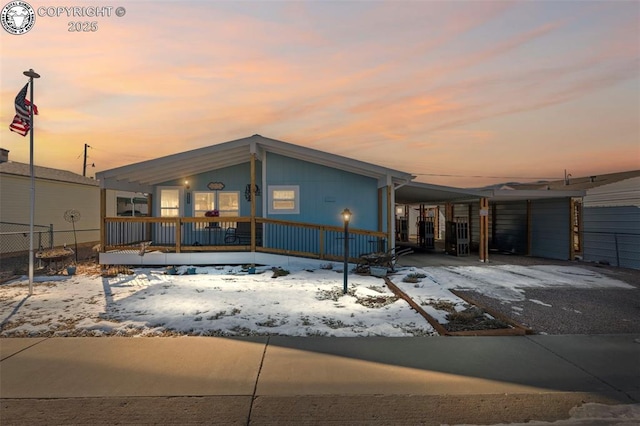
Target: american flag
[
  {"x": 21, "y": 123},
  {"x": 19, "y": 126}
]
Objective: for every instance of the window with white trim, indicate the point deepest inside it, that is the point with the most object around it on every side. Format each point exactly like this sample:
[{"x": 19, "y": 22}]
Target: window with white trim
[
  {"x": 284, "y": 199},
  {"x": 169, "y": 202},
  {"x": 203, "y": 202},
  {"x": 226, "y": 202},
  {"x": 229, "y": 203}
]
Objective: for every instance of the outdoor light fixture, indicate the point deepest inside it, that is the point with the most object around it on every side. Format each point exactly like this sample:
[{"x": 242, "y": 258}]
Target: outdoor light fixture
[
  {"x": 186, "y": 185},
  {"x": 346, "y": 216}
]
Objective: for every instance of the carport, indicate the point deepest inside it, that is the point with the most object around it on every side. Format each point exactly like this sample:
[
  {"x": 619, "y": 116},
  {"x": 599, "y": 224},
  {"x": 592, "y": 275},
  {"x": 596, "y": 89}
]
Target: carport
[
  {"x": 428, "y": 199},
  {"x": 541, "y": 223}
]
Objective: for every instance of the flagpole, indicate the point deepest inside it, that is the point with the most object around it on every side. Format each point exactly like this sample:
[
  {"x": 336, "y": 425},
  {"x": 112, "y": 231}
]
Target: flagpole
[{"x": 31, "y": 74}]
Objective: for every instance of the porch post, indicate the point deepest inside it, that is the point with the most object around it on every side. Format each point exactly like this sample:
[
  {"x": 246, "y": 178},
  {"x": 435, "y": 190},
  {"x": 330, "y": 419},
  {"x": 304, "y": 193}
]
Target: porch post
[
  {"x": 253, "y": 202},
  {"x": 448, "y": 212},
  {"x": 103, "y": 225},
  {"x": 484, "y": 230},
  {"x": 178, "y": 222},
  {"x": 380, "y": 210},
  {"x": 529, "y": 228},
  {"x": 390, "y": 216},
  {"x": 149, "y": 213}
]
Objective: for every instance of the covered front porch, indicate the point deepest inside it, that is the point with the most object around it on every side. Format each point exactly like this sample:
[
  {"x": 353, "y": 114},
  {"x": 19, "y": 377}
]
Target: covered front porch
[{"x": 219, "y": 240}]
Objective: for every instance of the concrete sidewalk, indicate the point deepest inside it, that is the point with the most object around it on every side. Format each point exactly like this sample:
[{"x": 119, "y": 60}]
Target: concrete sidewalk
[{"x": 286, "y": 380}]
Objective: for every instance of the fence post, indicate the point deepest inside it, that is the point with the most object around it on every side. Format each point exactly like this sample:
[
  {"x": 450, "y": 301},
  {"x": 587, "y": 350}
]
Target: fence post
[{"x": 51, "y": 235}]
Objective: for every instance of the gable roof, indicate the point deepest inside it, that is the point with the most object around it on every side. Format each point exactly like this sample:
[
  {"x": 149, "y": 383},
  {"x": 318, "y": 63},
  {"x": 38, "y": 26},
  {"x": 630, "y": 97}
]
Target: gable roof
[
  {"x": 142, "y": 176},
  {"x": 46, "y": 173}
]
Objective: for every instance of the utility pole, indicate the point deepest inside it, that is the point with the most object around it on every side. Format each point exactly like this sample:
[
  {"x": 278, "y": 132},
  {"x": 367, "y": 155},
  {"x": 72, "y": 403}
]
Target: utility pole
[{"x": 84, "y": 164}]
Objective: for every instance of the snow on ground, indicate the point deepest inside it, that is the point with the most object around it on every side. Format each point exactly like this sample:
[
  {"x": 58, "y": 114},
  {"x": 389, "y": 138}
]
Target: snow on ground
[
  {"x": 309, "y": 301},
  {"x": 592, "y": 414}
]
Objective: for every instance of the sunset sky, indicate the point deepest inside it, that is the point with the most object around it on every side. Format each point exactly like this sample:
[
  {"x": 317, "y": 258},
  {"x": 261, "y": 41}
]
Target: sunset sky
[{"x": 460, "y": 93}]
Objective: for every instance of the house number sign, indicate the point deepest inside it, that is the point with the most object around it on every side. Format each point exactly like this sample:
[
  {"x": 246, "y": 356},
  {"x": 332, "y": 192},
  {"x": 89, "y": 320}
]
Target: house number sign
[{"x": 215, "y": 186}]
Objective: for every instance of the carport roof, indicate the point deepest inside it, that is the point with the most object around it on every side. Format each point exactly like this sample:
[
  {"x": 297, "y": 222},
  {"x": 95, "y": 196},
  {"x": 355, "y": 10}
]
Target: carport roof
[
  {"x": 531, "y": 194},
  {"x": 424, "y": 193}
]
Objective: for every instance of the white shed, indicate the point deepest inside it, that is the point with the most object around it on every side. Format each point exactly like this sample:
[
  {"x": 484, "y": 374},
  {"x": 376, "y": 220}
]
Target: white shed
[
  {"x": 56, "y": 193},
  {"x": 611, "y": 223}
]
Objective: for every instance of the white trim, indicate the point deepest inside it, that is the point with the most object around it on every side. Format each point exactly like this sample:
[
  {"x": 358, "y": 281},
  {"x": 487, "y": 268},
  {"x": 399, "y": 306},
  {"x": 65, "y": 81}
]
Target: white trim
[
  {"x": 216, "y": 201},
  {"x": 218, "y": 258},
  {"x": 181, "y": 200},
  {"x": 296, "y": 200}
]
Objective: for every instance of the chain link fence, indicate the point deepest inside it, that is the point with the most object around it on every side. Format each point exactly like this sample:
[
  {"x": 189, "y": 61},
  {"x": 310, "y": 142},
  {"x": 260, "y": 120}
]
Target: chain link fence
[{"x": 14, "y": 242}]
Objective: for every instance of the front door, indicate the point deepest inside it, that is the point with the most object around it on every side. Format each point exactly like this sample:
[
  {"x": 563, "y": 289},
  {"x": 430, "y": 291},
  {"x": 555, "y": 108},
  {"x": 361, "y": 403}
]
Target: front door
[{"x": 170, "y": 206}]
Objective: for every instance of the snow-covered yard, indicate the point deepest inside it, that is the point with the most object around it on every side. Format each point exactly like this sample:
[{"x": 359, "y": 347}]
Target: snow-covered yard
[{"x": 308, "y": 301}]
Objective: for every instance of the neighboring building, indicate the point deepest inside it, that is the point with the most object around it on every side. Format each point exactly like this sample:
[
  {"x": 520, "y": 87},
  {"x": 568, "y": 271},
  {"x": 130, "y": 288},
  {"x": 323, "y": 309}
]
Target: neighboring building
[
  {"x": 56, "y": 192},
  {"x": 611, "y": 221},
  {"x": 606, "y": 221}
]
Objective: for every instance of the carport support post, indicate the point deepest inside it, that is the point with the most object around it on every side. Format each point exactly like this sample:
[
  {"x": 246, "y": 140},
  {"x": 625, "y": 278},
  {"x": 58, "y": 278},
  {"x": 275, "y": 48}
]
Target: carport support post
[
  {"x": 484, "y": 230},
  {"x": 253, "y": 202}
]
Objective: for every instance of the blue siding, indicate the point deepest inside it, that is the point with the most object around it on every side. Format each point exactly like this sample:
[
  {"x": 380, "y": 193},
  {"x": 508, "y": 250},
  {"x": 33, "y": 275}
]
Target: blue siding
[
  {"x": 550, "y": 220},
  {"x": 325, "y": 192},
  {"x": 612, "y": 235},
  {"x": 235, "y": 178}
]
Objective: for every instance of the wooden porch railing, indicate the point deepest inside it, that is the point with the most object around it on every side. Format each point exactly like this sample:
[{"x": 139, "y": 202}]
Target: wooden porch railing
[{"x": 208, "y": 234}]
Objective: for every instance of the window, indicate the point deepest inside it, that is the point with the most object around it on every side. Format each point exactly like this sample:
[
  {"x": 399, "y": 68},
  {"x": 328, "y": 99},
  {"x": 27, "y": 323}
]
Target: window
[
  {"x": 203, "y": 202},
  {"x": 284, "y": 199},
  {"x": 227, "y": 203},
  {"x": 169, "y": 202},
  {"x": 131, "y": 206}
]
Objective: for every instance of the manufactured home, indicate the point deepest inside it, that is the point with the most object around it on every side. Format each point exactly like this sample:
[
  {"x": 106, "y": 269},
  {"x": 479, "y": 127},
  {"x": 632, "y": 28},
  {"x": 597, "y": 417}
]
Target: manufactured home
[
  {"x": 235, "y": 201},
  {"x": 242, "y": 200}
]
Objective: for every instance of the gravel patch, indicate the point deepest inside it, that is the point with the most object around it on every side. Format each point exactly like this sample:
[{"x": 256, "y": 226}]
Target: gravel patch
[
  {"x": 571, "y": 311},
  {"x": 566, "y": 310}
]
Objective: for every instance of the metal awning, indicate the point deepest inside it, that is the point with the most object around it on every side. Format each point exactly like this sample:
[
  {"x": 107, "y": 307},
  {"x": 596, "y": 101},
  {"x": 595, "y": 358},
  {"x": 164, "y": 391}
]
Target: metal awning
[
  {"x": 532, "y": 194},
  {"x": 424, "y": 193}
]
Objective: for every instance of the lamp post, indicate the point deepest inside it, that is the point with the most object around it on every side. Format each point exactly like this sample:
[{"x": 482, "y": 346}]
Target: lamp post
[{"x": 346, "y": 216}]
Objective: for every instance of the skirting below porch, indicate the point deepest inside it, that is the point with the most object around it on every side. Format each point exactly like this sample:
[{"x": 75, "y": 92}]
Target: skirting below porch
[{"x": 157, "y": 258}]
